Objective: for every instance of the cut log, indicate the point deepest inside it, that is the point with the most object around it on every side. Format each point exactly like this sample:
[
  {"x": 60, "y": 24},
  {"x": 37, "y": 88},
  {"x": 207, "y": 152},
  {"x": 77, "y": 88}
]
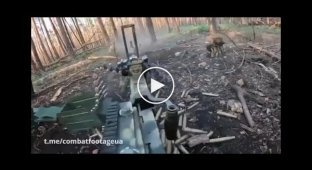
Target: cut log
[{"x": 240, "y": 93}]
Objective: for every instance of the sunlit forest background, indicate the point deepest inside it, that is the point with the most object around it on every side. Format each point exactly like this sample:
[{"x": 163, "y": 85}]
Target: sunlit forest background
[{"x": 53, "y": 39}]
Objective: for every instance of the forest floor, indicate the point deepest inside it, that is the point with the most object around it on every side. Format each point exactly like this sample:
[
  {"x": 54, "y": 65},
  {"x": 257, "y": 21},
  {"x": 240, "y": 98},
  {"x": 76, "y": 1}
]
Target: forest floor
[{"x": 187, "y": 59}]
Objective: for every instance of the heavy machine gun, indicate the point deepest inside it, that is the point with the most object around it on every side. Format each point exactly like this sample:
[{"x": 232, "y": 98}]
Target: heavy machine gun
[{"x": 136, "y": 124}]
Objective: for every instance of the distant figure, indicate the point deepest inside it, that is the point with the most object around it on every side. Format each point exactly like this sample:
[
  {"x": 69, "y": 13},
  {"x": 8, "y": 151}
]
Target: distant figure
[{"x": 214, "y": 46}]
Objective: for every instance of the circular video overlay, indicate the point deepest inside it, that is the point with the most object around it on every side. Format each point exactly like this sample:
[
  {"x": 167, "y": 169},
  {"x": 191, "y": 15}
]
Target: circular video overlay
[{"x": 155, "y": 85}]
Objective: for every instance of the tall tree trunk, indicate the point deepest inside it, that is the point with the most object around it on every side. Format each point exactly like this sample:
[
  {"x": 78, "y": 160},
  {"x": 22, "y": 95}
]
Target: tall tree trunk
[
  {"x": 106, "y": 37},
  {"x": 244, "y": 21},
  {"x": 213, "y": 25},
  {"x": 268, "y": 20},
  {"x": 37, "y": 60},
  {"x": 151, "y": 30},
  {"x": 68, "y": 34},
  {"x": 168, "y": 25},
  {"x": 113, "y": 27},
  {"x": 68, "y": 47},
  {"x": 58, "y": 37},
  {"x": 140, "y": 23},
  {"x": 231, "y": 20},
  {"x": 79, "y": 30},
  {"x": 40, "y": 41},
  {"x": 33, "y": 64},
  {"x": 46, "y": 39},
  {"x": 73, "y": 31},
  {"x": 175, "y": 23},
  {"x": 50, "y": 40}
]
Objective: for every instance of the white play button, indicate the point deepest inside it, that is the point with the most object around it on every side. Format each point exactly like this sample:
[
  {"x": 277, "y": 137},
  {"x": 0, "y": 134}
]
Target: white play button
[{"x": 155, "y": 85}]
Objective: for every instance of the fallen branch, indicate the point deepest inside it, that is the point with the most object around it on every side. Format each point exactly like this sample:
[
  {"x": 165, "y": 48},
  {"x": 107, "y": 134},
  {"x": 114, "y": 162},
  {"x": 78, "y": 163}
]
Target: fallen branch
[
  {"x": 265, "y": 51},
  {"x": 219, "y": 112},
  {"x": 189, "y": 71},
  {"x": 240, "y": 65},
  {"x": 56, "y": 84},
  {"x": 256, "y": 92},
  {"x": 191, "y": 130},
  {"x": 240, "y": 93},
  {"x": 101, "y": 57},
  {"x": 210, "y": 94},
  {"x": 269, "y": 70},
  {"x": 59, "y": 91}
]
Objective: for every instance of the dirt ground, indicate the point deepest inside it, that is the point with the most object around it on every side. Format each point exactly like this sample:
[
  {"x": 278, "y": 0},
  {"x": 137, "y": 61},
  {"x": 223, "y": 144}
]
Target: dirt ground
[{"x": 193, "y": 69}]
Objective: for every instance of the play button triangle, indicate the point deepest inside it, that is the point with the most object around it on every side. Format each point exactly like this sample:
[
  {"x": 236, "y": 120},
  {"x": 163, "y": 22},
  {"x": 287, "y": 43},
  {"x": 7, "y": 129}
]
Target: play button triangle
[{"x": 155, "y": 85}]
